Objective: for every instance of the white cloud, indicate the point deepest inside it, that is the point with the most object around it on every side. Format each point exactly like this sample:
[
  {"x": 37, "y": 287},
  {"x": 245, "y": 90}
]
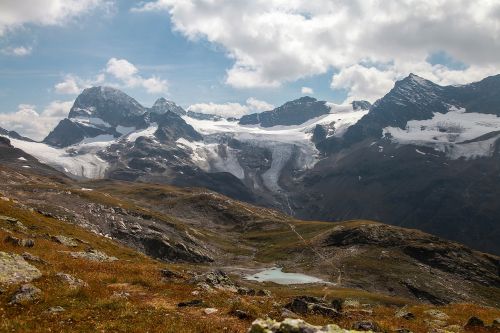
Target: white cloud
[
  {"x": 68, "y": 86},
  {"x": 19, "y": 51},
  {"x": 277, "y": 41},
  {"x": 127, "y": 73},
  {"x": 119, "y": 73},
  {"x": 28, "y": 122},
  {"x": 236, "y": 110},
  {"x": 307, "y": 91},
  {"x": 121, "y": 69},
  {"x": 16, "y": 13}
]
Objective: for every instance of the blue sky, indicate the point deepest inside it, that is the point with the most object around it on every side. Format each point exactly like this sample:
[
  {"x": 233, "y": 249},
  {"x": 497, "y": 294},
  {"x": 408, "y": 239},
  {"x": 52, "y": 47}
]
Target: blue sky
[
  {"x": 195, "y": 71},
  {"x": 210, "y": 53}
]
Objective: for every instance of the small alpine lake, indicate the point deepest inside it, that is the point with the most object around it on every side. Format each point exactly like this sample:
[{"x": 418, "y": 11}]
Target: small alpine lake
[{"x": 276, "y": 275}]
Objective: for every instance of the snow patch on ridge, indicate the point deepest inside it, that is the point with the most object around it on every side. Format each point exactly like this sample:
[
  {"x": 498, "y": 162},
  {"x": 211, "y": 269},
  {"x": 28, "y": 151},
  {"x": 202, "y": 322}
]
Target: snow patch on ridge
[{"x": 451, "y": 133}]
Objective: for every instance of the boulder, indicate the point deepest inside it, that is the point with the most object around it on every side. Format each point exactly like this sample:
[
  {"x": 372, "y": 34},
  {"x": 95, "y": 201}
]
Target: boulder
[
  {"x": 29, "y": 257},
  {"x": 14, "y": 269},
  {"x": 264, "y": 292},
  {"x": 169, "y": 274},
  {"x": 474, "y": 322},
  {"x": 93, "y": 255},
  {"x": 13, "y": 222},
  {"x": 216, "y": 279},
  {"x": 71, "y": 281},
  {"x": 404, "y": 313},
  {"x": 246, "y": 291},
  {"x": 64, "y": 240},
  {"x": 436, "y": 314},
  {"x": 26, "y": 242},
  {"x": 292, "y": 326},
  {"x": 311, "y": 305},
  {"x": 55, "y": 309},
  {"x": 209, "y": 311},
  {"x": 240, "y": 314},
  {"x": 194, "y": 302},
  {"x": 26, "y": 294},
  {"x": 366, "y": 325}
]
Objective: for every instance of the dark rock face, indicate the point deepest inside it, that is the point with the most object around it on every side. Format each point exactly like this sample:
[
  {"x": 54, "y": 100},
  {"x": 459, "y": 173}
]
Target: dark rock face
[
  {"x": 291, "y": 113},
  {"x": 172, "y": 127},
  {"x": 162, "y": 106},
  {"x": 68, "y": 133}
]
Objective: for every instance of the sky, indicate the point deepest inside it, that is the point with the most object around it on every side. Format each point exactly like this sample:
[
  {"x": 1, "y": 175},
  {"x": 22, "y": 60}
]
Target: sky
[{"x": 233, "y": 57}]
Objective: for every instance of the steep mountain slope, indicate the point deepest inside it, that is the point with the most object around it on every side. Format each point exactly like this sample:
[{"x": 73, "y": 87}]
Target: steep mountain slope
[{"x": 418, "y": 159}]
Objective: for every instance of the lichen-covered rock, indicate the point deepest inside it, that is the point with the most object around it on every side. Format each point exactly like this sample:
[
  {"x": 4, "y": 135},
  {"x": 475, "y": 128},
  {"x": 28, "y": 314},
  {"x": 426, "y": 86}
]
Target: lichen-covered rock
[
  {"x": 14, "y": 269},
  {"x": 436, "y": 314},
  {"x": 169, "y": 274},
  {"x": 404, "y": 313},
  {"x": 216, "y": 279},
  {"x": 264, "y": 292},
  {"x": 26, "y": 294},
  {"x": 293, "y": 326},
  {"x": 312, "y": 305},
  {"x": 64, "y": 240},
  {"x": 26, "y": 242},
  {"x": 71, "y": 281},
  {"x": 366, "y": 326},
  {"x": 93, "y": 255},
  {"x": 55, "y": 309},
  {"x": 12, "y": 222},
  {"x": 29, "y": 257},
  {"x": 209, "y": 311}
]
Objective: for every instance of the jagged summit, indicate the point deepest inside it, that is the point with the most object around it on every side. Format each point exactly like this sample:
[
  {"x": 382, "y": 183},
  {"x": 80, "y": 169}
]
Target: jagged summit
[
  {"x": 163, "y": 105},
  {"x": 109, "y": 104}
]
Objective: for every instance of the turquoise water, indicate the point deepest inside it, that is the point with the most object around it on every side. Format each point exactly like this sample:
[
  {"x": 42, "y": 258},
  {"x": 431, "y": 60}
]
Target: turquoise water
[{"x": 276, "y": 275}]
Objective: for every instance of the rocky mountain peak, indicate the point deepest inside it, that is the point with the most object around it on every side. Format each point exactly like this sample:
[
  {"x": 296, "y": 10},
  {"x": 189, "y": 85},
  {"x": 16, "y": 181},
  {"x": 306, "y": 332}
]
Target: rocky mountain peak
[
  {"x": 109, "y": 104},
  {"x": 163, "y": 105},
  {"x": 295, "y": 112}
]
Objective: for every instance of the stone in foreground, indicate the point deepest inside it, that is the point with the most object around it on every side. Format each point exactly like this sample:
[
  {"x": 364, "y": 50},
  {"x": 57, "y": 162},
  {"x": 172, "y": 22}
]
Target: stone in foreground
[
  {"x": 14, "y": 269},
  {"x": 293, "y": 326},
  {"x": 26, "y": 294}
]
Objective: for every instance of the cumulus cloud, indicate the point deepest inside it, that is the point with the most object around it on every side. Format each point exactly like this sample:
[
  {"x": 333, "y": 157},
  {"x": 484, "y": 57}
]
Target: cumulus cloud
[
  {"x": 16, "y": 13},
  {"x": 127, "y": 73},
  {"x": 29, "y": 122},
  {"x": 235, "y": 110},
  {"x": 119, "y": 73},
  {"x": 19, "y": 51},
  {"x": 307, "y": 91},
  {"x": 277, "y": 41}
]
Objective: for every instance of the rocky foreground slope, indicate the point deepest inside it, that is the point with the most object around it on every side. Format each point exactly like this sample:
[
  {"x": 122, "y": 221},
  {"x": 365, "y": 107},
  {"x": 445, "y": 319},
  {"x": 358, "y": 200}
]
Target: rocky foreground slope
[{"x": 121, "y": 256}]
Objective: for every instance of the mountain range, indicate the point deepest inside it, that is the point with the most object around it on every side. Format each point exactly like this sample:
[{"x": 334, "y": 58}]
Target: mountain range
[{"x": 423, "y": 156}]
